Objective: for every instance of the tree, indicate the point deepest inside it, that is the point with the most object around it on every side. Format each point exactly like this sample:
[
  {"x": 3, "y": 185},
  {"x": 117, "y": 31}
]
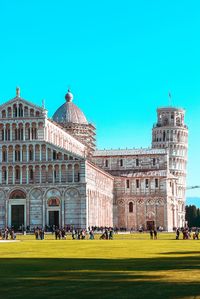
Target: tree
[{"x": 192, "y": 216}]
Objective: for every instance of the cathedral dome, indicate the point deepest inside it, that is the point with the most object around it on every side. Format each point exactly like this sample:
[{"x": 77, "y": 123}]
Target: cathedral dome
[{"x": 69, "y": 112}]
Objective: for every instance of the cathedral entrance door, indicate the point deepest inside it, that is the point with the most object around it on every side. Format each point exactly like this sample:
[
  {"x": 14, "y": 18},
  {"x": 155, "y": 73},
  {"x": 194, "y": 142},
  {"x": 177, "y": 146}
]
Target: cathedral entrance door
[
  {"x": 17, "y": 217},
  {"x": 54, "y": 218}
]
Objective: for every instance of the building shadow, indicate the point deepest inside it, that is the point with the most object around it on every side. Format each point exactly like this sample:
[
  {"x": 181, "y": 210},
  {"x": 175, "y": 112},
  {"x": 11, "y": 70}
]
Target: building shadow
[{"x": 98, "y": 278}]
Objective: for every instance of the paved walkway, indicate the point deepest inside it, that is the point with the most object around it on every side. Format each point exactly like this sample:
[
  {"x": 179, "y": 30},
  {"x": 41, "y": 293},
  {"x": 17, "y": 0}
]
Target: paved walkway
[{"x": 7, "y": 241}]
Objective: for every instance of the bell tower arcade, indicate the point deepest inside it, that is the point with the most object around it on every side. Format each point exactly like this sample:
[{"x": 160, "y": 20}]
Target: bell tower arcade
[{"x": 171, "y": 132}]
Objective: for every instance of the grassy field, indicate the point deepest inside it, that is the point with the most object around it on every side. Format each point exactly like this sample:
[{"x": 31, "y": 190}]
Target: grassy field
[{"x": 130, "y": 266}]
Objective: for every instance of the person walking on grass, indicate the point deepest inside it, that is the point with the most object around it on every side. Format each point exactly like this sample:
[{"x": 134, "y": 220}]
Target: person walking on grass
[
  {"x": 155, "y": 234},
  {"x": 177, "y": 234},
  {"x": 91, "y": 233}
]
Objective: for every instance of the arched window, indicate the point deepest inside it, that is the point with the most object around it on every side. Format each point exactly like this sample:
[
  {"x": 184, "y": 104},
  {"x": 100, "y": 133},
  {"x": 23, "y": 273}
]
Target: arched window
[
  {"x": 30, "y": 154},
  {"x": 121, "y": 162},
  {"x": 106, "y": 163},
  {"x": 31, "y": 174},
  {"x": 69, "y": 173},
  {"x": 53, "y": 202},
  {"x": 178, "y": 121},
  {"x": 178, "y": 137},
  {"x": 17, "y": 194},
  {"x": 166, "y": 122},
  {"x": 16, "y": 134},
  {"x": 14, "y": 111},
  {"x": 2, "y": 134},
  {"x": 4, "y": 174},
  {"x": 76, "y": 173},
  {"x": 130, "y": 205},
  {"x": 137, "y": 183},
  {"x": 164, "y": 135},
  {"x": 54, "y": 155},
  {"x": 127, "y": 184},
  {"x": 20, "y": 110},
  {"x": 17, "y": 173},
  {"x": 31, "y": 112},
  {"x": 17, "y": 154},
  {"x": 156, "y": 183},
  {"x": 34, "y": 133},
  {"x": 4, "y": 156},
  {"x": 25, "y": 111},
  {"x": 4, "y": 114},
  {"x": 146, "y": 183},
  {"x": 7, "y": 134}
]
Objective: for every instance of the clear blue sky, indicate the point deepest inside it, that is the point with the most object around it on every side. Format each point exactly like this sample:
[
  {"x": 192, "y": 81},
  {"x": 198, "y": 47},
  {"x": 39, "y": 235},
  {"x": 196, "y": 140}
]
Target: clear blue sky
[{"x": 120, "y": 59}]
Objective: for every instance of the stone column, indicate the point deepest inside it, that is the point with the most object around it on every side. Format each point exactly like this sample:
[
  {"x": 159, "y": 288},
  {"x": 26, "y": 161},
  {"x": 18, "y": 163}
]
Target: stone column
[
  {"x": 17, "y": 106},
  {"x": 13, "y": 175},
  {"x": 46, "y": 153},
  {"x": 20, "y": 175},
  {"x": 4, "y": 133},
  {"x": 40, "y": 152},
  {"x": 17, "y": 128},
  {"x": 20, "y": 151},
  {"x": 0, "y": 153},
  {"x": 7, "y": 173},
  {"x": 36, "y": 131},
  {"x": 11, "y": 132},
  {"x": 47, "y": 173},
  {"x": 60, "y": 173},
  {"x": 0, "y": 175},
  {"x": 27, "y": 175},
  {"x": 30, "y": 126},
  {"x": 40, "y": 170},
  {"x": 34, "y": 152},
  {"x": 72, "y": 173},
  {"x": 33, "y": 174},
  {"x": 13, "y": 154},
  {"x": 53, "y": 168},
  {"x": 24, "y": 131},
  {"x": 27, "y": 153}
]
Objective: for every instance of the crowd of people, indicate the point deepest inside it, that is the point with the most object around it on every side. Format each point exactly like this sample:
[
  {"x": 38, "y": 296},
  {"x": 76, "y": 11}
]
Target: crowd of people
[
  {"x": 187, "y": 233},
  {"x": 7, "y": 233},
  {"x": 93, "y": 232},
  {"x": 39, "y": 233},
  {"x": 76, "y": 234}
]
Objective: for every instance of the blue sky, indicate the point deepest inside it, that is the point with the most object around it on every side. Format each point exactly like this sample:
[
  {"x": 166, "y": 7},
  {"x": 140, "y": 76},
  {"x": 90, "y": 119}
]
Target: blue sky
[{"x": 120, "y": 59}]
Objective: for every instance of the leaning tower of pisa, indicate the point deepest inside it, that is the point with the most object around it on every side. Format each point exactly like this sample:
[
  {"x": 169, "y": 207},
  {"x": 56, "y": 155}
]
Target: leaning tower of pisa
[{"x": 171, "y": 132}]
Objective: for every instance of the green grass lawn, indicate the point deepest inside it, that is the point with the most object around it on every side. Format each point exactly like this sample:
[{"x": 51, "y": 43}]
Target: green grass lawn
[{"x": 131, "y": 266}]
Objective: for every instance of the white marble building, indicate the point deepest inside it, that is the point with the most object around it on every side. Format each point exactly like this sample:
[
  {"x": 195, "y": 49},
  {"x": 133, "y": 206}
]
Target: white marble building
[{"x": 51, "y": 173}]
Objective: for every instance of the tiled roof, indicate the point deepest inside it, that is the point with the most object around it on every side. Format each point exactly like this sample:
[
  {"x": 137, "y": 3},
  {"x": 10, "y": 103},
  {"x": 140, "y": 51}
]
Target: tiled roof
[
  {"x": 129, "y": 152},
  {"x": 154, "y": 173},
  {"x": 69, "y": 113}
]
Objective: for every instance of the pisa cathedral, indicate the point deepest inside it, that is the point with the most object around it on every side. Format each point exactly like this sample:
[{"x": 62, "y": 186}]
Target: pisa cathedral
[{"x": 52, "y": 174}]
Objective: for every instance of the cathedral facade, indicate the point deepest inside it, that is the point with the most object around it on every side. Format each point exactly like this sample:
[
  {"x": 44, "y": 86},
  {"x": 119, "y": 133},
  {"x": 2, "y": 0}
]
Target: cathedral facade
[{"x": 52, "y": 174}]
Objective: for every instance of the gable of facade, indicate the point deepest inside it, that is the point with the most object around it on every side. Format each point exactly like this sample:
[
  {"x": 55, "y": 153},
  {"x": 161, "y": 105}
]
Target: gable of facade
[{"x": 18, "y": 107}]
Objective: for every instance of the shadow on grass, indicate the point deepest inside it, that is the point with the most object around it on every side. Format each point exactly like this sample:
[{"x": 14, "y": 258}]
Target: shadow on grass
[
  {"x": 180, "y": 252},
  {"x": 96, "y": 278}
]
